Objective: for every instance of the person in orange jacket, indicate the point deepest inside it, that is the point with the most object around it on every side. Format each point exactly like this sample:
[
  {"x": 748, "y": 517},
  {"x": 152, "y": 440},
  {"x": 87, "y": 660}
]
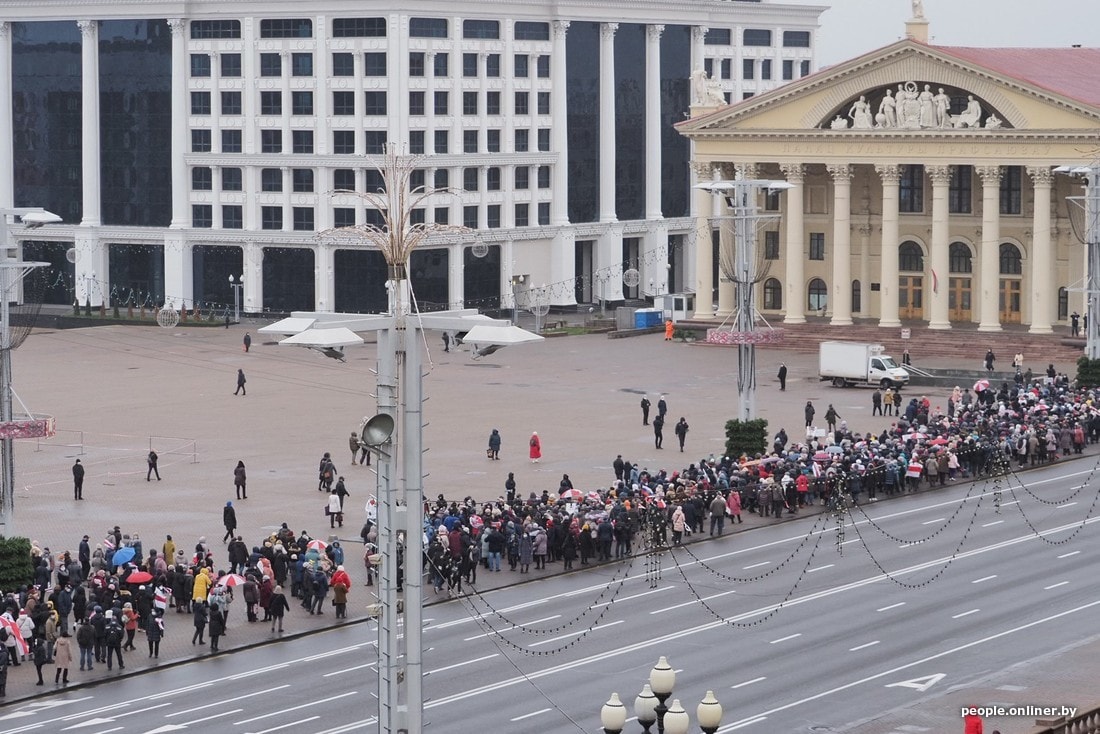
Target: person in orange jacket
[{"x": 668, "y": 330}]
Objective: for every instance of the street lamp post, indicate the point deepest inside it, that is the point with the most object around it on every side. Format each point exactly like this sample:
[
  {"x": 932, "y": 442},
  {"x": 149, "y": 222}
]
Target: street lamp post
[
  {"x": 517, "y": 281},
  {"x": 31, "y": 218},
  {"x": 650, "y": 707},
  {"x": 237, "y": 286}
]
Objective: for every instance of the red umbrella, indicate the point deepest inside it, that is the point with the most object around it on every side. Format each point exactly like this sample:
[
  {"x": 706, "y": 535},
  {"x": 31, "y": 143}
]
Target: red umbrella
[
  {"x": 231, "y": 580},
  {"x": 938, "y": 441},
  {"x": 317, "y": 545},
  {"x": 139, "y": 577},
  {"x": 572, "y": 495},
  {"x": 822, "y": 456},
  {"x": 594, "y": 497},
  {"x": 981, "y": 385}
]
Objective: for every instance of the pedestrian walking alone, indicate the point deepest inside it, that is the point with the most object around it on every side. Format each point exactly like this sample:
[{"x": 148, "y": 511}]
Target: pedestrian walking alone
[
  {"x": 662, "y": 406},
  {"x": 831, "y": 417},
  {"x": 645, "y": 410},
  {"x": 240, "y": 383},
  {"x": 809, "y": 413},
  {"x": 78, "y": 480},
  {"x": 240, "y": 480},
  {"x": 681, "y": 432},
  {"x": 536, "y": 448},
  {"x": 247, "y": 341},
  {"x": 989, "y": 359},
  {"x": 229, "y": 519},
  {"x": 658, "y": 431},
  {"x": 782, "y": 376},
  {"x": 493, "y": 451},
  {"x": 151, "y": 460},
  {"x": 669, "y": 329}
]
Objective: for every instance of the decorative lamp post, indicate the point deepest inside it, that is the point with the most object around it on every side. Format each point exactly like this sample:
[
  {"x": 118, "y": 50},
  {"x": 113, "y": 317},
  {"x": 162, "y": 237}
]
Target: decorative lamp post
[
  {"x": 662, "y": 679},
  {"x": 645, "y": 708},
  {"x": 676, "y": 719},
  {"x": 237, "y": 286},
  {"x": 517, "y": 281},
  {"x": 613, "y": 715},
  {"x": 709, "y": 713}
]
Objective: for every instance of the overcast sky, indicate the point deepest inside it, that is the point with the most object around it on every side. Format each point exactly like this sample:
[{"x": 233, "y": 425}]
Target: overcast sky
[{"x": 853, "y": 27}]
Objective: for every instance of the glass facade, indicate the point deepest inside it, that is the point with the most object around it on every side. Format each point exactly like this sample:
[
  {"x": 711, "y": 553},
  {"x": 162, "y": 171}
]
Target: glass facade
[
  {"x": 135, "y": 116},
  {"x": 211, "y": 266},
  {"x": 46, "y": 117},
  {"x": 288, "y": 279},
  {"x": 630, "y": 102},
  {"x": 481, "y": 277},
  {"x": 675, "y": 98},
  {"x": 138, "y": 268},
  {"x": 582, "y": 89}
]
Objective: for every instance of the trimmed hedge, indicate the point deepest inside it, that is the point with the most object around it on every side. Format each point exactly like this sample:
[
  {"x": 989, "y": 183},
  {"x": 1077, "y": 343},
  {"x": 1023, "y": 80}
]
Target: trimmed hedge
[
  {"x": 748, "y": 437},
  {"x": 15, "y": 563}
]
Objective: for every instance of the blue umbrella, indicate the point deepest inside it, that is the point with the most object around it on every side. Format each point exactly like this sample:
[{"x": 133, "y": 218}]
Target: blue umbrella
[{"x": 122, "y": 555}]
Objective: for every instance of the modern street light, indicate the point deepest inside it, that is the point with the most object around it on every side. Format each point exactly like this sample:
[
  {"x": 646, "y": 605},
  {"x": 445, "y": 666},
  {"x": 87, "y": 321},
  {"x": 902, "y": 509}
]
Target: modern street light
[
  {"x": 31, "y": 218},
  {"x": 517, "y": 282},
  {"x": 649, "y": 707},
  {"x": 237, "y": 286}
]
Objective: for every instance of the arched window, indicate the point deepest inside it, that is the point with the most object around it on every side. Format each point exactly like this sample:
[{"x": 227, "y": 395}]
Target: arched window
[
  {"x": 910, "y": 257},
  {"x": 819, "y": 294},
  {"x": 773, "y": 295},
  {"x": 1011, "y": 262},
  {"x": 857, "y": 298},
  {"x": 960, "y": 258},
  {"x": 1063, "y": 304}
]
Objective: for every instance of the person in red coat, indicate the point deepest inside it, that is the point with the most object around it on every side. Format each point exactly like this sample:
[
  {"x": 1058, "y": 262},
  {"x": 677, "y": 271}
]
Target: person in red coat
[
  {"x": 536, "y": 447},
  {"x": 972, "y": 724}
]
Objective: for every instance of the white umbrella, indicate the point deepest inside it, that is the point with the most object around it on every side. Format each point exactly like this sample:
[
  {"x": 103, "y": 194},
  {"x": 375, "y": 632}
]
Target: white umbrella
[
  {"x": 501, "y": 336},
  {"x": 324, "y": 338},
  {"x": 288, "y": 326}
]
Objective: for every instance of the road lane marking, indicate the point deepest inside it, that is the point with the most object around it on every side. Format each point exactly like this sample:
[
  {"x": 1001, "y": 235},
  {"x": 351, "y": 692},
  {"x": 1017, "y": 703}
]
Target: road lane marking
[
  {"x": 533, "y": 713},
  {"x": 749, "y": 682},
  {"x": 576, "y": 635},
  {"x": 1055, "y": 586},
  {"x": 509, "y": 629},
  {"x": 965, "y": 614},
  {"x": 193, "y": 709},
  {"x": 784, "y": 639},
  {"x": 853, "y": 540},
  {"x": 906, "y": 666},
  {"x": 933, "y": 522},
  {"x": 628, "y": 598},
  {"x": 743, "y": 724},
  {"x": 991, "y": 524},
  {"x": 892, "y": 606},
  {"x": 458, "y": 665},
  {"x": 348, "y": 670},
  {"x": 1067, "y": 555},
  {"x": 1068, "y": 504},
  {"x": 1013, "y": 502},
  {"x": 864, "y": 646},
  {"x": 908, "y": 545},
  {"x": 984, "y": 578},
  {"x": 285, "y": 726},
  {"x": 756, "y": 565},
  {"x": 693, "y": 601},
  {"x": 820, "y": 568},
  {"x": 211, "y": 716},
  {"x": 320, "y": 702}
]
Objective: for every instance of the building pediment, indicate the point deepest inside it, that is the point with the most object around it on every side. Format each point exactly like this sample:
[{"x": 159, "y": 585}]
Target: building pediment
[{"x": 907, "y": 88}]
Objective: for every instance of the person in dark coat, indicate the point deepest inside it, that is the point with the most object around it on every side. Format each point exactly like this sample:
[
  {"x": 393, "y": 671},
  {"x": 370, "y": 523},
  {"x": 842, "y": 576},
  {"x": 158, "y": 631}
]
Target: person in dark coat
[
  {"x": 153, "y": 635},
  {"x": 247, "y": 341},
  {"x": 320, "y": 591},
  {"x": 681, "y": 430},
  {"x": 240, "y": 383},
  {"x": 645, "y": 410},
  {"x": 782, "y": 376},
  {"x": 216, "y": 626},
  {"x": 240, "y": 479},
  {"x": 78, "y": 480},
  {"x": 658, "y": 430},
  {"x": 229, "y": 519},
  {"x": 809, "y": 413},
  {"x": 277, "y": 608},
  {"x": 494, "y": 444},
  {"x": 200, "y": 617}
]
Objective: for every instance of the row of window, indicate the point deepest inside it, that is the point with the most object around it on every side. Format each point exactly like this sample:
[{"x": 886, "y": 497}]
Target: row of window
[
  {"x": 343, "y": 141},
  {"x": 910, "y": 255},
  {"x": 374, "y": 103},
  {"x": 960, "y": 192},
  {"x": 756, "y": 37},
  {"x": 343, "y": 179},
  {"x": 754, "y": 68},
  {"x": 368, "y": 28},
  {"x": 303, "y": 218},
  {"x": 374, "y": 64}
]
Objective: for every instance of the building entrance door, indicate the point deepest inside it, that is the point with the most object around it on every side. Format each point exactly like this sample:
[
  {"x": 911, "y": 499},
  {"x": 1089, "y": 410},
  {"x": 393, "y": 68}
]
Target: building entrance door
[
  {"x": 958, "y": 299},
  {"x": 911, "y": 296},
  {"x": 1010, "y": 301}
]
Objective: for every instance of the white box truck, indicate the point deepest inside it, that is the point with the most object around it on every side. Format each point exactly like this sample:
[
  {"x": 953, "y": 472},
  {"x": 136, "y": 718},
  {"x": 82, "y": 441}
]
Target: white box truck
[{"x": 853, "y": 363}]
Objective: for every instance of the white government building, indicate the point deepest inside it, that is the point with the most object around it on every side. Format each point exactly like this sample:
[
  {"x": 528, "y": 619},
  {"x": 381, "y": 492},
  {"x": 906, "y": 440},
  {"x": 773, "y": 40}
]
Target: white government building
[
  {"x": 927, "y": 186},
  {"x": 184, "y": 142}
]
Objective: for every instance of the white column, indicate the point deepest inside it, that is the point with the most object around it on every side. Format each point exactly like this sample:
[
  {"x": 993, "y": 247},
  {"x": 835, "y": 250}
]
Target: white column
[
  {"x": 181, "y": 216},
  {"x": 179, "y": 282},
  {"x": 653, "y": 121},
  {"x": 7, "y": 165},
  {"x": 841, "y": 297},
  {"x": 865, "y": 231},
  {"x": 607, "y": 122},
  {"x": 559, "y": 105},
  {"x": 323, "y": 279},
  {"x": 794, "y": 255},
  {"x": 1043, "y": 288},
  {"x": 89, "y": 114},
  {"x": 253, "y": 293},
  {"x": 655, "y": 268},
  {"x": 989, "y": 282},
  {"x": 888, "y": 254},
  {"x": 938, "y": 315},
  {"x": 507, "y": 270},
  {"x": 456, "y": 285},
  {"x": 698, "y": 35},
  {"x": 726, "y": 247},
  {"x": 563, "y": 265},
  {"x": 609, "y": 264},
  {"x": 704, "y": 249}
]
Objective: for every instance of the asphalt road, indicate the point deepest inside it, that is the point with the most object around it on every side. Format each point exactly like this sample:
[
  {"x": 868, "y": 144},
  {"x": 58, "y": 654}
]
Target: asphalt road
[{"x": 818, "y": 640}]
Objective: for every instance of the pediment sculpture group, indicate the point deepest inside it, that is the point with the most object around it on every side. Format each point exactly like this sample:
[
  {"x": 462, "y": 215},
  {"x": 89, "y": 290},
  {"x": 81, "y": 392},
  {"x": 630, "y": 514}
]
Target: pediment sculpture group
[{"x": 911, "y": 108}]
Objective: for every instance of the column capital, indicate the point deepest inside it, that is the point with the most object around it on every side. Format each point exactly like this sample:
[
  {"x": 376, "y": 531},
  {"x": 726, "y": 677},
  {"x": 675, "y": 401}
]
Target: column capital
[
  {"x": 5, "y": 28},
  {"x": 795, "y": 172},
  {"x": 940, "y": 175},
  {"x": 177, "y": 26},
  {"x": 560, "y": 27},
  {"x": 699, "y": 32},
  {"x": 653, "y": 32},
  {"x": 890, "y": 173},
  {"x": 841, "y": 172},
  {"x": 607, "y": 30},
  {"x": 1040, "y": 175},
  {"x": 747, "y": 171},
  {"x": 88, "y": 28},
  {"x": 703, "y": 170},
  {"x": 989, "y": 174}
]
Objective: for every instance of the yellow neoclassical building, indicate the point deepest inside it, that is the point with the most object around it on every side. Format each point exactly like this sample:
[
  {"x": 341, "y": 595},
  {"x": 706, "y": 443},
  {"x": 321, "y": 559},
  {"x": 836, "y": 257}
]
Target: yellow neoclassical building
[{"x": 923, "y": 186}]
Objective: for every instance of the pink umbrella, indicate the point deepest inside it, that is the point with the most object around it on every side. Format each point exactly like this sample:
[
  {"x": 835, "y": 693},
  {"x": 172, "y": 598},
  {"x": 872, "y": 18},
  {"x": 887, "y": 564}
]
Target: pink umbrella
[
  {"x": 981, "y": 385},
  {"x": 939, "y": 441},
  {"x": 317, "y": 545},
  {"x": 572, "y": 495},
  {"x": 594, "y": 497},
  {"x": 231, "y": 580},
  {"x": 822, "y": 456},
  {"x": 914, "y": 436},
  {"x": 13, "y": 630}
]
